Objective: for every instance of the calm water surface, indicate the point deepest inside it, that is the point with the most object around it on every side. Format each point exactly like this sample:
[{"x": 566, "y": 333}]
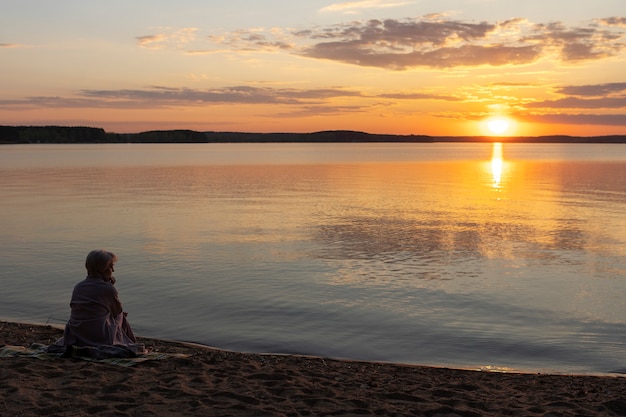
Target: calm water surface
[{"x": 472, "y": 255}]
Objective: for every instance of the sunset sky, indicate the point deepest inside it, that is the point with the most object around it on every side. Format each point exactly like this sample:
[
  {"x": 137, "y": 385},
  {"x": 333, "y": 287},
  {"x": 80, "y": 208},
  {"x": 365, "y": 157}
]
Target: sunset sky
[{"x": 440, "y": 67}]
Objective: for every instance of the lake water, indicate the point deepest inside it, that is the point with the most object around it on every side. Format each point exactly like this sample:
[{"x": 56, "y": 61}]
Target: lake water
[{"x": 481, "y": 256}]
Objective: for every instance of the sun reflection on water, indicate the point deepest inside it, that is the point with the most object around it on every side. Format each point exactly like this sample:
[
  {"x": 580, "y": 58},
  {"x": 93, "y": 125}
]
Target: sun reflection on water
[{"x": 496, "y": 164}]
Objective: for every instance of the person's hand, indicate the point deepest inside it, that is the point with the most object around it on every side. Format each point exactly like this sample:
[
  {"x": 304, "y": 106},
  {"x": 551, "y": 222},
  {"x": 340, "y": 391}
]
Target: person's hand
[{"x": 112, "y": 280}]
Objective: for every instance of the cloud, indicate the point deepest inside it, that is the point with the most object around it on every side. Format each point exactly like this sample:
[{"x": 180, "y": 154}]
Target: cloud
[
  {"x": 577, "y": 119},
  {"x": 157, "y": 96},
  {"x": 592, "y": 96},
  {"x": 395, "y": 34},
  {"x": 593, "y": 89},
  {"x": 395, "y": 44},
  {"x": 253, "y": 40},
  {"x": 152, "y": 41},
  {"x": 52, "y": 102},
  {"x": 614, "y": 21},
  {"x": 350, "y": 6},
  {"x": 11, "y": 45},
  {"x": 442, "y": 43},
  {"x": 578, "y": 103},
  {"x": 582, "y": 97},
  {"x": 297, "y": 102},
  {"x": 435, "y": 41},
  {"x": 322, "y": 110},
  {"x": 511, "y": 84},
  {"x": 178, "y": 38},
  {"x": 234, "y": 94},
  {"x": 578, "y": 43},
  {"x": 418, "y": 96},
  {"x": 466, "y": 55}
]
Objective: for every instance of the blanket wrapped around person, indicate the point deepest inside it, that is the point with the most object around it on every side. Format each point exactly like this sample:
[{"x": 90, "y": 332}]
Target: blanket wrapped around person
[{"x": 97, "y": 326}]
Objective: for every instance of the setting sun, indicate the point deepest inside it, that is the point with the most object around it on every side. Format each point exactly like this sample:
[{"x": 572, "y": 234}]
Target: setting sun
[{"x": 498, "y": 125}]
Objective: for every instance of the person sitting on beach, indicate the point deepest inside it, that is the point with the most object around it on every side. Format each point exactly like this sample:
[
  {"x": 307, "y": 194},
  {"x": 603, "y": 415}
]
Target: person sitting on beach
[{"x": 97, "y": 317}]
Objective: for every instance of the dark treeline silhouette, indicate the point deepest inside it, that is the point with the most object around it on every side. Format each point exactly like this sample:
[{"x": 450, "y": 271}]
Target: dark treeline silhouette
[
  {"x": 52, "y": 134},
  {"x": 65, "y": 134},
  {"x": 190, "y": 136}
]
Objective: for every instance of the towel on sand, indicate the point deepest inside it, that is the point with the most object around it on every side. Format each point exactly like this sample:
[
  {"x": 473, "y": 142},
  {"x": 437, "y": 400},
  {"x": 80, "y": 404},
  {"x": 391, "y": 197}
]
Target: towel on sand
[{"x": 114, "y": 355}]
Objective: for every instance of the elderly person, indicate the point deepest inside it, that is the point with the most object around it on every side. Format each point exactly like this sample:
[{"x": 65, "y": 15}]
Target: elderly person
[{"x": 97, "y": 317}]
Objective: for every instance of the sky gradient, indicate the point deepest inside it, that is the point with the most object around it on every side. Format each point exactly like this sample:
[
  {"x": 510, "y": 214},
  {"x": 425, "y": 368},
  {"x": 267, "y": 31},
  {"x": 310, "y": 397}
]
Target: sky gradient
[{"x": 441, "y": 67}]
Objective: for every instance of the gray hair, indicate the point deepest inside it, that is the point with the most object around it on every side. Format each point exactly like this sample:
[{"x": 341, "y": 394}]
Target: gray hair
[{"x": 98, "y": 261}]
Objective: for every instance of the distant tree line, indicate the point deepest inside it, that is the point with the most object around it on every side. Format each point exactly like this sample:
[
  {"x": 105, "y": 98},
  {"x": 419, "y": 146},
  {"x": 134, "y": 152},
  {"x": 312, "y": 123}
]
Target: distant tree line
[
  {"x": 190, "y": 136},
  {"x": 52, "y": 134},
  {"x": 66, "y": 134},
  {"x": 62, "y": 134}
]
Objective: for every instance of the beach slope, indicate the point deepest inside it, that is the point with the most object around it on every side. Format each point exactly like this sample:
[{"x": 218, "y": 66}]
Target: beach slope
[{"x": 212, "y": 382}]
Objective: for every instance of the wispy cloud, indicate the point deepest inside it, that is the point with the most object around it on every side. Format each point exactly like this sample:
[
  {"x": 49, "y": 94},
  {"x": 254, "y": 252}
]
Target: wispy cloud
[
  {"x": 158, "y": 96},
  {"x": 579, "y": 103},
  {"x": 593, "y": 89},
  {"x": 418, "y": 96},
  {"x": 592, "y": 104},
  {"x": 614, "y": 21},
  {"x": 322, "y": 110},
  {"x": 179, "y": 38},
  {"x": 254, "y": 40},
  {"x": 351, "y": 6},
  {"x": 576, "y": 119},
  {"x": 12, "y": 45},
  {"x": 295, "y": 102},
  {"x": 152, "y": 41},
  {"x": 592, "y": 96},
  {"x": 236, "y": 94}
]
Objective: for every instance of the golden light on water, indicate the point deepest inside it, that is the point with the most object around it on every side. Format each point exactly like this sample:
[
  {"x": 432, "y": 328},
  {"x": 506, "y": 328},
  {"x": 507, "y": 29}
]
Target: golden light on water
[{"x": 496, "y": 164}]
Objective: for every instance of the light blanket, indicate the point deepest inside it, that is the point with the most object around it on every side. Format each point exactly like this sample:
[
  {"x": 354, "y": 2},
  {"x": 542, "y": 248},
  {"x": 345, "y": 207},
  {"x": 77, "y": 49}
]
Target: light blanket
[{"x": 41, "y": 352}]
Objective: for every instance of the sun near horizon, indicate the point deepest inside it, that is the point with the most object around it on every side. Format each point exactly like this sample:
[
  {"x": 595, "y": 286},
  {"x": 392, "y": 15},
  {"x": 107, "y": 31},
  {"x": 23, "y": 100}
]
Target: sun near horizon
[{"x": 499, "y": 126}]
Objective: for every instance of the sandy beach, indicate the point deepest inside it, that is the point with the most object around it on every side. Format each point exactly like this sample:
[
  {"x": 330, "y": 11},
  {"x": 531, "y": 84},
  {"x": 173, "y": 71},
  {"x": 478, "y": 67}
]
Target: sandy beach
[{"x": 212, "y": 382}]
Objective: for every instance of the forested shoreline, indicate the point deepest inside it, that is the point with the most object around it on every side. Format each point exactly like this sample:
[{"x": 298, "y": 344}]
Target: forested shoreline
[{"x": 81, "y": 134}]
